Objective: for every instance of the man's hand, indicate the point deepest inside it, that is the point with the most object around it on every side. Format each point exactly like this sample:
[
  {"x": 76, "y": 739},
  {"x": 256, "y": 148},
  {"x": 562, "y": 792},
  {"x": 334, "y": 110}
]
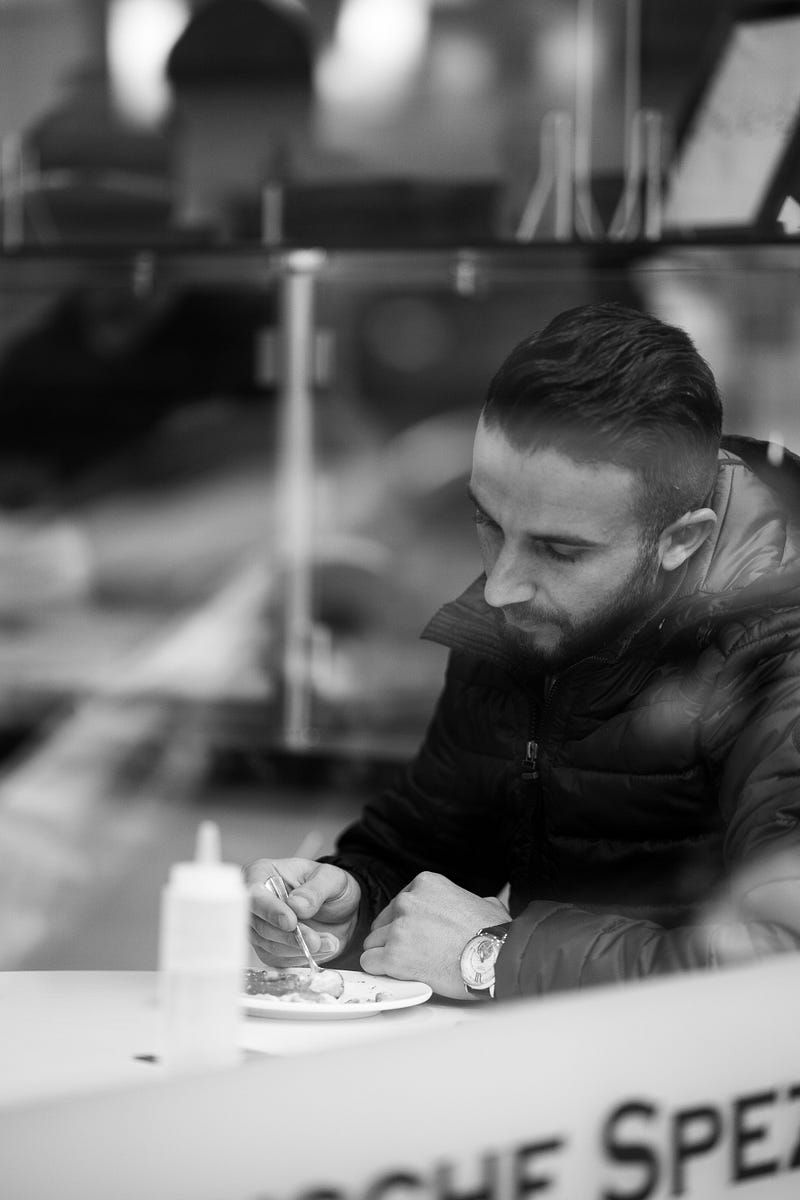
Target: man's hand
[
  {"x": 325, "y": 898},
  {"x": 421, "y": 933}
]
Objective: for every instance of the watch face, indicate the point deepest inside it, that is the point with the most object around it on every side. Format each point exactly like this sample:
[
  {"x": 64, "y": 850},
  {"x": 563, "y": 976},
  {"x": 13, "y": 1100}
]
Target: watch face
[{"x": 478, "y": 959}]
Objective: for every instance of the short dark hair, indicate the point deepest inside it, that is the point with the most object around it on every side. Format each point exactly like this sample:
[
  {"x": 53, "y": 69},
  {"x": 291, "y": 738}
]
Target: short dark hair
[{"x": 606, "y": 383}]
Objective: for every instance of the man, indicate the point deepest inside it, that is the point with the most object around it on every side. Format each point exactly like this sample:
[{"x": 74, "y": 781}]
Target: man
[{"x": 618, "y": 738}]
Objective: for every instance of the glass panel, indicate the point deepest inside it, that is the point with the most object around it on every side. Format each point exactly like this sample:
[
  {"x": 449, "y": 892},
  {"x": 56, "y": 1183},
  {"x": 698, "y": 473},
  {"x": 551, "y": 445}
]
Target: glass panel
[
  {"x": 146, "y": 493},
  {"x": 145, "y": 426}
]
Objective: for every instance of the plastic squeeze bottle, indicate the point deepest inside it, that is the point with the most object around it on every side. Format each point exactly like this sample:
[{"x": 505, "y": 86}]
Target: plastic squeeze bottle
[{"x": 202, "y": 958}]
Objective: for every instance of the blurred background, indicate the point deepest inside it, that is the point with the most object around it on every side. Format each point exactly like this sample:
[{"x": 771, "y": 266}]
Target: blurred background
[{"x": 258, "y": 263}]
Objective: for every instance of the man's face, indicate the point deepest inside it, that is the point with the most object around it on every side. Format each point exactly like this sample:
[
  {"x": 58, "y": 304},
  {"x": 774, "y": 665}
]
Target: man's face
[{"x": 567, "y": 567}]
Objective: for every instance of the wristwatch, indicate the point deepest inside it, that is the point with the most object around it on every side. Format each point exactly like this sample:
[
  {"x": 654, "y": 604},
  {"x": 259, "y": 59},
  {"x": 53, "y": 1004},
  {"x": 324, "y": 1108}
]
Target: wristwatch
[{"x": 478, "y": 958}]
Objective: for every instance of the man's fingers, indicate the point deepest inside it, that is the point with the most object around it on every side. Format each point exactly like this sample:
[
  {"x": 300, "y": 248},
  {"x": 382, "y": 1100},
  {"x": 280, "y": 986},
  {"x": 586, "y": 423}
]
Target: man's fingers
[
  {"x": 258, "y": 872},
  {"x": 384, "y": 917},
  {"x": 376, "y": 938},
  {"x": 320, "y": 942},
  {"x": 327, "y": 892},
  {"x": 265, "y": 906},
  {"x": 270, "y": 955},
  {"x": 375, "y": 962},
  {"x": 277, "y": 954},
  {"x": 315, "y": 890},
  {"x": 267, "y": 927}
]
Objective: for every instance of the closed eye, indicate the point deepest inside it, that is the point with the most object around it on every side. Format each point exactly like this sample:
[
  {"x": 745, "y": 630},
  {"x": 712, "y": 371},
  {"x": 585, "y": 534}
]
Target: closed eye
[
  {"x": 481, "y": 518},
  {"x": 560, "y": 553}
]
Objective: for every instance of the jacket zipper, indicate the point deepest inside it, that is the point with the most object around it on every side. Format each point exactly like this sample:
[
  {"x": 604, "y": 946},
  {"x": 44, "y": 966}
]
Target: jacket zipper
[
  {"x": 538, "y": 865},
  {"x": 530, "y": 763}
]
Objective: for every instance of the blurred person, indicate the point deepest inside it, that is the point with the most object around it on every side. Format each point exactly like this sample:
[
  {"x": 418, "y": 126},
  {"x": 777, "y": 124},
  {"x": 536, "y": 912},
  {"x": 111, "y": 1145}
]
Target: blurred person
[
  {"x": 618, "y": 737},
  {"x": 94, "y": 378},
  {"x": 241, "y": 75},
  {"x": 91, "y": 376}
]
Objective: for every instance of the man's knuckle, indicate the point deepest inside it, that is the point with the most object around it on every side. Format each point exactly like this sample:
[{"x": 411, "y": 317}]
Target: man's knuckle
[{"x": 400, "y": 930}]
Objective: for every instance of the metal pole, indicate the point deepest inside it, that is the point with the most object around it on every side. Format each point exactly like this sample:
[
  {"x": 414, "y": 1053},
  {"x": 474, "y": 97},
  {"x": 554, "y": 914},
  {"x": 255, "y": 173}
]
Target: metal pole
[
  {"x": 296, "y": 490},
  {"x": 587, "y": 220},
  {"x": 12, "y": 192},
  {"x": 633, "y": 74},
  {"x": 564, "y": 226},
  {"x": 654, "y": 168},
  {"x": 542, "y": 189}
]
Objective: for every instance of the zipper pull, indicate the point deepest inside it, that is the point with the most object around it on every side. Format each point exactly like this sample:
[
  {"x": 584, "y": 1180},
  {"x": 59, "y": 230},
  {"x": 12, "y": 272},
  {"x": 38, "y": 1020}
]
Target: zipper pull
[{"x": 530, "y": 769}]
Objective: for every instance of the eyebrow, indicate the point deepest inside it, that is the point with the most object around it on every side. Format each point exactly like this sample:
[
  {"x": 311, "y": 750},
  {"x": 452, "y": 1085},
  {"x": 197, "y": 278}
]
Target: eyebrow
[{"x": 560, "y": 539}]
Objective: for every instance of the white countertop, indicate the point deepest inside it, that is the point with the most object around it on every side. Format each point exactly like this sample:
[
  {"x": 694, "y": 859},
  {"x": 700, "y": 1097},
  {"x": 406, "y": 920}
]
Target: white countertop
[{"x": 71, "y": 1032}]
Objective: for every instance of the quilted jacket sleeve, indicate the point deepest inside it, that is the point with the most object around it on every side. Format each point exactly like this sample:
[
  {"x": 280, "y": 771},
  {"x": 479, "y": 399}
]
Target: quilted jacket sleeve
[
  {"x": 554, "y": 947},
  {"x": 440, "y": 816},
  {"x": 751, "y": 739}
]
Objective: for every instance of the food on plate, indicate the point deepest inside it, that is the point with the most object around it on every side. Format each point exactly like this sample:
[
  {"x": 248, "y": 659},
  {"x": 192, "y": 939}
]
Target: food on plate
[{"x": 295, "y": 984}]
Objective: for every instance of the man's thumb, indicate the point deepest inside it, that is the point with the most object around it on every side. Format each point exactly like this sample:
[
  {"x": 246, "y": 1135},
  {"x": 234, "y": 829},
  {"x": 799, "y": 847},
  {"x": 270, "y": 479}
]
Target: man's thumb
[{"x": 327, "y": 886}]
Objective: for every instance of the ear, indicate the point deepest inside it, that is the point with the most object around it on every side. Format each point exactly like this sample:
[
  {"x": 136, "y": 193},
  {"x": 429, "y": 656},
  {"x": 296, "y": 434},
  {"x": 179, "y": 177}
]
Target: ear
[{"x": 683, "y": 537}]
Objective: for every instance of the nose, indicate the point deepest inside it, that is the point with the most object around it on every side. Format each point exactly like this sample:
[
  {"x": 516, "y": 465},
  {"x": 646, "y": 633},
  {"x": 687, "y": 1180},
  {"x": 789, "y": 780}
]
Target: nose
[{"x": 507, "y": 581}]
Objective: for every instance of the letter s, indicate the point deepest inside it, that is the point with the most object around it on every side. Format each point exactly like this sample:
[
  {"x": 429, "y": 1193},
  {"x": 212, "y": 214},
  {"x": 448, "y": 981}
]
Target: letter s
[{"x": 630, "y": 1153}]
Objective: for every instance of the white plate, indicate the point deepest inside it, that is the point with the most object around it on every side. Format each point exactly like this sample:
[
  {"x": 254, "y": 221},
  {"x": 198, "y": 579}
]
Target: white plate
[{"x": 358, "y": 1000}]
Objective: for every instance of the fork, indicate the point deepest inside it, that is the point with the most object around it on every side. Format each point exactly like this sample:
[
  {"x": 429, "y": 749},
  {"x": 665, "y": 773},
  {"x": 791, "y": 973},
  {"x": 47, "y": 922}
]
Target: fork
[{"x": 278, "y": 889}]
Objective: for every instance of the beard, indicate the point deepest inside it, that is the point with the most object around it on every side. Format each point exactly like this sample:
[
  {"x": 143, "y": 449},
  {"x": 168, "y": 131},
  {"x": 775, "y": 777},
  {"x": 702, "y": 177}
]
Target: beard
[{"x": 622, "y": 613}]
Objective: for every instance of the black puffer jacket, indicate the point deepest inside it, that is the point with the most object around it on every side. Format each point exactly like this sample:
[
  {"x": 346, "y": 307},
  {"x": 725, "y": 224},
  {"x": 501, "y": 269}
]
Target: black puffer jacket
[{"x": 637, "y": 802}]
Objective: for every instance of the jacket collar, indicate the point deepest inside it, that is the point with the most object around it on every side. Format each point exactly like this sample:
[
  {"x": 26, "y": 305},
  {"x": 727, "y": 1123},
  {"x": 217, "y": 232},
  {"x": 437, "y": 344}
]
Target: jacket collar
[{"x": 468, "y": 624}]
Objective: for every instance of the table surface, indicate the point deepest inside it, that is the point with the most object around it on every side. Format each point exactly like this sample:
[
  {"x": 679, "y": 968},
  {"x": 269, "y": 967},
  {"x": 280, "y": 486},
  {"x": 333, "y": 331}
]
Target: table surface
[{"x": 65, "y": 1033}]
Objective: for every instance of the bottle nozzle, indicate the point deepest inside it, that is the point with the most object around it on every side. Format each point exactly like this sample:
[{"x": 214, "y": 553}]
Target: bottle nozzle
[{"x": 208, "y": 847}]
